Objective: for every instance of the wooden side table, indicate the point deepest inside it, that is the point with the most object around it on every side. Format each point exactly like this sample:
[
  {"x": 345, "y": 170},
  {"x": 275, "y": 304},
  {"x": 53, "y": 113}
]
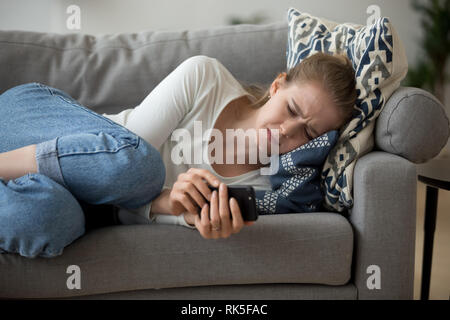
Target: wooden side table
[{"x": 436, "y": 175}]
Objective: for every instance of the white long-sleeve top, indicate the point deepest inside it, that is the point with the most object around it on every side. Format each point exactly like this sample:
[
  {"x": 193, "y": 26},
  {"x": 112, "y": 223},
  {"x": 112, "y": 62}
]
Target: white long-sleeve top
[{"x": 197, "y": 90}]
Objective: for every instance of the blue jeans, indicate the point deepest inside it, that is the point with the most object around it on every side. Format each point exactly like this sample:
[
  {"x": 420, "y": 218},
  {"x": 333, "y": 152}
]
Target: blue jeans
[{"x": 81, "y": 157}]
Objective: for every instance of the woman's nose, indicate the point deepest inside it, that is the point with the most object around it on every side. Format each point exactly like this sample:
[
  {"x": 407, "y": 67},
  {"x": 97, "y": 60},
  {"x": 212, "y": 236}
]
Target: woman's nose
[{"x": 289, "y": 128}]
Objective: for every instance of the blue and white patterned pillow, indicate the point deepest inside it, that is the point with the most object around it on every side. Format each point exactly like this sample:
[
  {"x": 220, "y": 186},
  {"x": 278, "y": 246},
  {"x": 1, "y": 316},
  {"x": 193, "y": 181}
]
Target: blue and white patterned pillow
[
  {"x": 380, "y": 63},
  {"x": 296, "y": 184}
]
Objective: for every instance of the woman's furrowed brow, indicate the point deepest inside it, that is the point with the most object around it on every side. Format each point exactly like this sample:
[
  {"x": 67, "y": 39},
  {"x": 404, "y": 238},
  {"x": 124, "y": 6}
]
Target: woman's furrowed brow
[{"x": 300, "y": 112}]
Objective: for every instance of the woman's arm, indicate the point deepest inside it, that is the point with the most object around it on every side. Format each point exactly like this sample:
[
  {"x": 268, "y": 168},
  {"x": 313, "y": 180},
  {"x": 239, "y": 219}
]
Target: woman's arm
[
  {"x": 155, "y": 118},
  {"x": 18, "y": 162},
  {"x": 160, "y": 212},
  {"x": 160, "y": 205}
]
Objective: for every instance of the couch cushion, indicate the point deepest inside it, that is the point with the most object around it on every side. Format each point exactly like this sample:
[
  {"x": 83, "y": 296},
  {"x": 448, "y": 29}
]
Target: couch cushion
[
  {"x": 313, "y": 248},
  {"x": 112, "y": 72},
  {"x": 277, "y": 291},
  {"x": 413, "y": 125}
]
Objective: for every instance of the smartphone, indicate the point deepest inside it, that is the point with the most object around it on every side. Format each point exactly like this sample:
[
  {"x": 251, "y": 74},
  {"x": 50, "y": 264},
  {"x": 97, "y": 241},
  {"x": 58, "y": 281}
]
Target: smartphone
[{"x": 245, "y": 196}]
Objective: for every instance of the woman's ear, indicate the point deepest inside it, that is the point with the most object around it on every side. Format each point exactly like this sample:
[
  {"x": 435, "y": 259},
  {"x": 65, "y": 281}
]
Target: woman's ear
[{"x": 279, "y": 81}]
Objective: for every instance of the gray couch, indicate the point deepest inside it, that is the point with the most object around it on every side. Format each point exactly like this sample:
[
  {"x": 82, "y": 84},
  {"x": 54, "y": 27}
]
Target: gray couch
[{"x": 290, "y": 256}]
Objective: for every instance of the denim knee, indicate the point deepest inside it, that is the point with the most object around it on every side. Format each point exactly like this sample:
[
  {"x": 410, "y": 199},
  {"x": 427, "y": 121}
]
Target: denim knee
[
  {"x": 38, "y": 217},
  {"x": 19, "y": 90},
  {"x": 147, "y": 173},
  {"x": 21, "y": 87},
  {"x": 136, "y": 174}
]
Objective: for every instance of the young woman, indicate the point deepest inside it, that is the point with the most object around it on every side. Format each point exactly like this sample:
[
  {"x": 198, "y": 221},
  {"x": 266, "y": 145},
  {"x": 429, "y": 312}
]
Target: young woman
[{"x": 56, "y": 154}]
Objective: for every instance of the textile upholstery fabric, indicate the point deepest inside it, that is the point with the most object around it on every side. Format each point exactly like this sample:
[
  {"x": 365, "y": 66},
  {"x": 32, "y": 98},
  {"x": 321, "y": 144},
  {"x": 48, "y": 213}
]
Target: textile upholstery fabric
[{"x": 380, "y": 64}]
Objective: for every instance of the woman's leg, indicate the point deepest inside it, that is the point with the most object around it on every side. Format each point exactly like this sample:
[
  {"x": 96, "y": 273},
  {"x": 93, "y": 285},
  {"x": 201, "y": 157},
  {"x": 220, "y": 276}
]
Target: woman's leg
[
  {"x": 97, "y": 160},
  {"x": 38, "y": 217}
]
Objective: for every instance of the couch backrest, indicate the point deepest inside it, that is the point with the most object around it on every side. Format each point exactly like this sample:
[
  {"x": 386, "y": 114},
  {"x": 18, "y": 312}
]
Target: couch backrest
[{"x": 109, "y": 73}]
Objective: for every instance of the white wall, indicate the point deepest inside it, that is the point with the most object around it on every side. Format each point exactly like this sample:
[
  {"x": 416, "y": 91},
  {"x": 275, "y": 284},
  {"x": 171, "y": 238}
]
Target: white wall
[{"x": 114, "y": 16}]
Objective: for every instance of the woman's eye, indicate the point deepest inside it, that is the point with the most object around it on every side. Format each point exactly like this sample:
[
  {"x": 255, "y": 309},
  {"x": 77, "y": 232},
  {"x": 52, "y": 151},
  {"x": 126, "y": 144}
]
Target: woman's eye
[
  {"x": 293, "y": 114},
  {"x": 290, "y": 111},
  {"x": 307, "y": 135}
]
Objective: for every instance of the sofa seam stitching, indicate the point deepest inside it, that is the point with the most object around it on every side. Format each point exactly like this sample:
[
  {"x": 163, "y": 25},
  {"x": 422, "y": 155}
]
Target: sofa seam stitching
[{"x": 142, "y": 46}]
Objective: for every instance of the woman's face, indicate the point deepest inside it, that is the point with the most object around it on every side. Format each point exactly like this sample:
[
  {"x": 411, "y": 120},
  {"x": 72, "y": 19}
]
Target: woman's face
[{"x": 301, "y": 112}]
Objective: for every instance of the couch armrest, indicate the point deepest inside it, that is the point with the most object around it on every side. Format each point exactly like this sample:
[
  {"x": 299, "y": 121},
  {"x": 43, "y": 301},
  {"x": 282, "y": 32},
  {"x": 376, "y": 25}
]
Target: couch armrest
[
  {"x": 418, "y": 115},
  {"x": 384, "y": 222}
]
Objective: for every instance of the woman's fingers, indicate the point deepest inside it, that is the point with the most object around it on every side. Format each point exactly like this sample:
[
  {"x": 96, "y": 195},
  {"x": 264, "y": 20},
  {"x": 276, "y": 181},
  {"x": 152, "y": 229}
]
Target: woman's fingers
[
  {"x": 207, "y": 175},
  {"x": 224, "y": 210},
  {"x": 202, "y": 222},
  {"x": 191, "y": 189},
  {"x": 195, "y": 182},
  {"x": 221, "y": 217},
  {"x": 196, "y": 176},
  {"x": 186, "y": 202},
  {"x": 237, "y": 221},
  {"x": 194, "y": 193},
  {"x": 221, "y": 224},
  {"x": 202, "y": 186},
  {"x": 209, "y": 224},
  {"x": 214, "y": 212}
]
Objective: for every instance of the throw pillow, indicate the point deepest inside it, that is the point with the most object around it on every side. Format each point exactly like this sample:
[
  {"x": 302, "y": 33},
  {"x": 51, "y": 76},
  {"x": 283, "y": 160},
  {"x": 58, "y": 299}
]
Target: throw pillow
[
  {"x": 380, "y": 63},
  {"x": 296, "y": 184}
]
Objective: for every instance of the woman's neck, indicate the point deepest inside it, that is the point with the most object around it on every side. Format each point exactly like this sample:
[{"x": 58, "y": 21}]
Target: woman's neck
[{"x": 242, "y": 116}]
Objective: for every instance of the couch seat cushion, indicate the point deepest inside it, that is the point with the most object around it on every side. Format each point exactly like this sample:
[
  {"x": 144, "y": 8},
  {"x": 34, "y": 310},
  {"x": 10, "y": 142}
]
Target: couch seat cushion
[{"x": 313, "y": 248}]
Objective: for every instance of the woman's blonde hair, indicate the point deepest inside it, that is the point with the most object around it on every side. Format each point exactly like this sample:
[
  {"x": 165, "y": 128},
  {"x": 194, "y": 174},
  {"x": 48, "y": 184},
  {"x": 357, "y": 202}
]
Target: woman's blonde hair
[{"x": 334, "y": 72}]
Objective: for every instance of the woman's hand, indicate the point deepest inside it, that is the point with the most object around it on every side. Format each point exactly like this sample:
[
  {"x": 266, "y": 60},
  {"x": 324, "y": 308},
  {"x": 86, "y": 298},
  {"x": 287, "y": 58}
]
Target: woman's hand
[
  {"x": 219, "y": 219},
  {"x": 190, "y": 191}
]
